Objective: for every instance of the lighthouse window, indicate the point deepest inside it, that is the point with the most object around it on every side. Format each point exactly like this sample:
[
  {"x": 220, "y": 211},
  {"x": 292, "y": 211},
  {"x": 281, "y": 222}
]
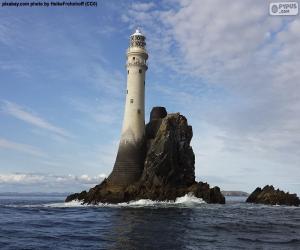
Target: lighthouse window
[
  {"x": 133, "y": 58},
  {"x": 140, "y": 71},
  {"x": 131, "y": 100},
  {"x": 138, "y": 111},
  {"x": 127, "y": 71}
]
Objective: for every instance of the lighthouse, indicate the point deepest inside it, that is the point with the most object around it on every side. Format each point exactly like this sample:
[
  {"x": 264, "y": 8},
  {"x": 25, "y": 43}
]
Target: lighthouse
[{"x": 129, "y": 161}]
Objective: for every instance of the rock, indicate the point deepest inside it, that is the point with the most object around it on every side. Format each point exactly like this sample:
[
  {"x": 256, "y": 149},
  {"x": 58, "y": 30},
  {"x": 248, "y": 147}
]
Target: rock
[
  {"x": 170, "y": 158},
  {"x": 169, "y": 167},
  {"x": 76, "y": 196},
  {"x": 268, "y": 195}
]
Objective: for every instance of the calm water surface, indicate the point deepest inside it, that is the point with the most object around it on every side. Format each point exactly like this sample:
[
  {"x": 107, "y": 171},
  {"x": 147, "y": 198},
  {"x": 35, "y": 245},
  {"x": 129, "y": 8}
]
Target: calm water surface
[{"x": 32, "y": 222}]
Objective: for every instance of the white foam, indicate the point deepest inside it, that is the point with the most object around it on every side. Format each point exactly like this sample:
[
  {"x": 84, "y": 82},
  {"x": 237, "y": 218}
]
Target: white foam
[
  {"x": 186, "y": 200},
  {"x": 189, "y": 199},
  {"x": 74, "y": 203}
]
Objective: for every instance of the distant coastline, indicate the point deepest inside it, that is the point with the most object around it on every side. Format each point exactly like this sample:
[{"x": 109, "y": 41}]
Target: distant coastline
[
  {"x": 33, "y": 194},
  {"x": 235, "y": 193}
]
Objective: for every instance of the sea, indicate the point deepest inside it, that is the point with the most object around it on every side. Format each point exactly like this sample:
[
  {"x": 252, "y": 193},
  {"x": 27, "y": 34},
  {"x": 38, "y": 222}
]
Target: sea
[{"x": 47, "y": 222}]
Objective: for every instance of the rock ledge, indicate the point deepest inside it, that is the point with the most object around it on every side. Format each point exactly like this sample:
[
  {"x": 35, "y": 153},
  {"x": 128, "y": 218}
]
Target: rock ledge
[{"x": 268, "y": 195}]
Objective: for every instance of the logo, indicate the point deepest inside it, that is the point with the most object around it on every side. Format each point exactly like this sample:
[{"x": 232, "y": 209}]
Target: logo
[
  {"x": 274, "y": 8},
  {"x": 283, "y": 9}
]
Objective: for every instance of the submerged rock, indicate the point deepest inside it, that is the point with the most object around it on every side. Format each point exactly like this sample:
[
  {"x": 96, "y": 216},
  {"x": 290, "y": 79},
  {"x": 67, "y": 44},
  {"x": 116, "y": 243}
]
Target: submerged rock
[
  {"x": 169, "y": 167},
  {"x": 268, "y": 195}
]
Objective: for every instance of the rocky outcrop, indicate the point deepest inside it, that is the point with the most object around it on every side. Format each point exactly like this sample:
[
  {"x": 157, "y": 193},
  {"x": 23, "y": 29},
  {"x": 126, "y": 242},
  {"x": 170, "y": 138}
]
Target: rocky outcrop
[
  {"x": 169, "y": 167},
  {"x": 268, "y": 195}
]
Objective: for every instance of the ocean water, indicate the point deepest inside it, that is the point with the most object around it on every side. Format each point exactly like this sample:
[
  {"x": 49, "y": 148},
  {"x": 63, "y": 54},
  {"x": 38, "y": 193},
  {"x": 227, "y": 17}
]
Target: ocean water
[{"x": 35, "y": 222}]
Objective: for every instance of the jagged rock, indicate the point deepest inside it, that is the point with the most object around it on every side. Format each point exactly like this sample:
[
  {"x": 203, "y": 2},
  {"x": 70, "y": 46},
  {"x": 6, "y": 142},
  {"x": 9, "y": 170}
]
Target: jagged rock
[
  {"x": 76, "y": 196},
  {"x": 169, "y": 167},
  {"x": 268, "y": 195}
]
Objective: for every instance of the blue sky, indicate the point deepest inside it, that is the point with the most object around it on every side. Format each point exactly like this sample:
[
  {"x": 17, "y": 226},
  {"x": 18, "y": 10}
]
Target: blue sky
[{"x": 228, "y": 66}]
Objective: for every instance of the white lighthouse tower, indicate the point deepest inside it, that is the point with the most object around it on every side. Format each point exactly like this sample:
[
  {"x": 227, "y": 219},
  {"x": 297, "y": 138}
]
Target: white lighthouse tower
[
  {"x": 134, "y": 118},
  {"x": 129, "y": 161}
]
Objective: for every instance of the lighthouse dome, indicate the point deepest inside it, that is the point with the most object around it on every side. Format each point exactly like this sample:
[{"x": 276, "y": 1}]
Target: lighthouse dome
[
  {"x": 137, "y": 32},
  {"x": 137, "y": 39}
]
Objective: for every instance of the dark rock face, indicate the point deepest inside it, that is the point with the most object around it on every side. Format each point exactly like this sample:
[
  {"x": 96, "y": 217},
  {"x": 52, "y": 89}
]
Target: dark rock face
[
  {"x": 169, "y": 167},
  {"x": 76, "y": 196},
  {"x": 268, "y": 195},
  {"x": 169, "y": 164}
]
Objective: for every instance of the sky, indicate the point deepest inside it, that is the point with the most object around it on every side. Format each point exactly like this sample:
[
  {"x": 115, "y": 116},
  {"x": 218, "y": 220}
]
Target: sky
[{"x": 228, "y": 66}]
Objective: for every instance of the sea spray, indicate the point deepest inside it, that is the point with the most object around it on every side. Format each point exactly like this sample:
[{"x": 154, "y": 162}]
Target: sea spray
[{"x": 186, "y": 200}]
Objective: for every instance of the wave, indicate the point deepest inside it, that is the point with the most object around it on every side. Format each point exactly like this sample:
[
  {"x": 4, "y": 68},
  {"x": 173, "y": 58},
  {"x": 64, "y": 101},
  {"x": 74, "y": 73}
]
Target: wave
[
  {"x": 188, "y": 200},
  {"x": 289, "y": 241}
]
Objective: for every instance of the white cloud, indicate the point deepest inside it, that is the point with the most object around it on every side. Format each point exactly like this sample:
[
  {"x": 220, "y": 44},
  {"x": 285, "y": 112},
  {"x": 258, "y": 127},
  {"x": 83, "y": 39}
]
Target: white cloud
[
  {"x": 37, "y": 182},
  {"x": 21, "y": 178},
  {"x": 82, "y": 179},
  {"x": 90, "y": 179},
  {"x": 143, "y": 6},
  {"x": 24, "y": 148},
  {"x": 19, "y": 112}
]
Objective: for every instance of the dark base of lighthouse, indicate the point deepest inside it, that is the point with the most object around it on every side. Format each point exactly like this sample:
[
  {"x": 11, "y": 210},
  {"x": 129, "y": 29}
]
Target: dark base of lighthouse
[
  {"x": 168, "y": 167},
  {"x": 129, "y": 164}
]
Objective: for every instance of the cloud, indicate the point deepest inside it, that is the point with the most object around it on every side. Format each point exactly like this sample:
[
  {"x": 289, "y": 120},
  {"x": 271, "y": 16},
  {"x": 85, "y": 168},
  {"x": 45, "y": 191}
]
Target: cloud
[
  {"x": 6, "y": 31},
  {"x": 38, "y": 182},
  {"x": 101, "y": 110},
  {"x": 24, "y": 148},
  {"x": 82, "y": 179},
  {"x": 143, "y": 6},
  {"x": 21, "y": 178},
  {"x": 20, "y": 113}
]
